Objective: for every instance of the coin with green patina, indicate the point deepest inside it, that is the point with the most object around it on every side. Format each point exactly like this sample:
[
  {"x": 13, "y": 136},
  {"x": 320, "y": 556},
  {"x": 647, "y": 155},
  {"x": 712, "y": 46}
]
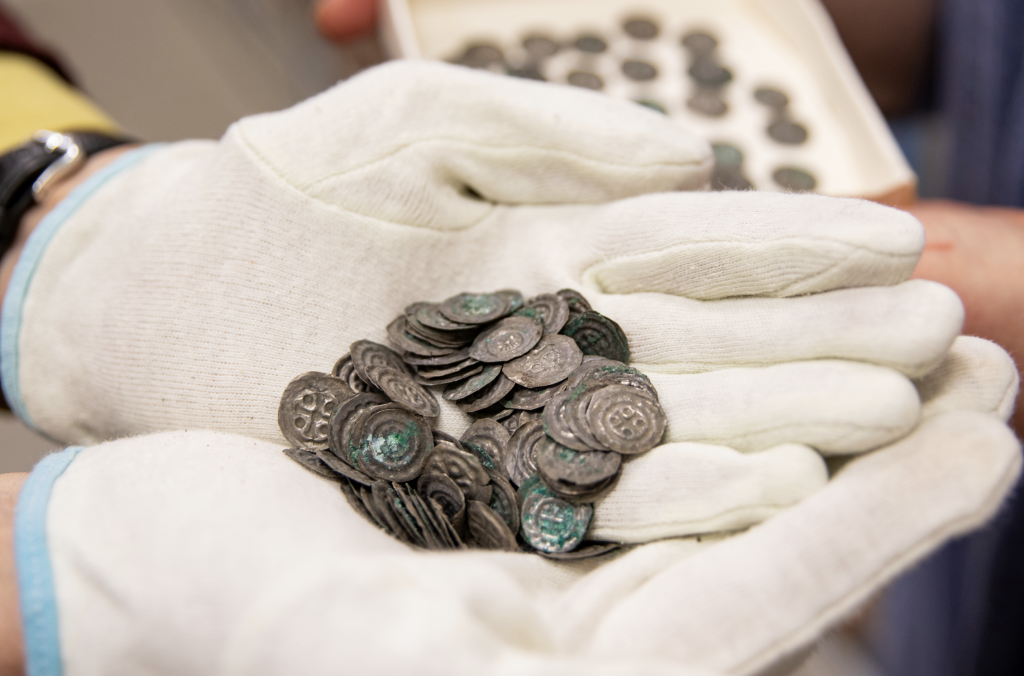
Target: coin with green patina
[
  {"x": 487, "y": 439},
  {"x": 487, "y": 529},
  {"x": 598, "y": 335},
  {"x": 476, "y": 308},
  {"x": 402, "y": 389},
  {"x": 486, "y": 396},
  {"x": 625, "y": 420},
  {"x": 306, "y": 406},
  {"x": 473, "y": 384},
  {"x": 552, "y": 309},
  {"x": 509, "y": 338},
  {"x": 442, "y": 489},
  {"x": 549, "y": 523},
  {"x": 462, "y": 466},
  {"x": 550, "y": 362},
  {"x": 577, "y": 303},
  {"x": 557, "y": 463},
  {"x": 394, "y": 444}
]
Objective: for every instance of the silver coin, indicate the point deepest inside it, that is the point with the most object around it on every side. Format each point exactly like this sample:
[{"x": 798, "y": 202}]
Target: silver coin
[
  {"x": 551, "y": 309},
  {"x": 597, "y": 334},
  {"x": 521, "y": 453},
  {"x": 345, "y": 369},
  {"x": 487, "y": 396},
  {"x": 383, "y": 495},
  {"x": 787, "y": 132},
  {"x": 707, "y": 102},
  {"x": 608, "y": 372},
  {"x": 503, "y": 501},
  {"x": 394, "y": 444},
  {"x": 515, "y": 298},
  {"x": 576, "y": 415},
  {"x": 313, "y": 463},
  {"x": 462, "y": 466},
  {"x": 556, "y": 423},
  {"x": 549, "y": 523},
  {"x": 525, "y": 399},
  {"x": 457, "y": 377},
  {"x": 580, "y": 468},
  {"x": 501, "y": 415},
  {"x": 773, "y": 98},
  {"x": 402, "y": 505},
  {"x": 355, "y": 502},
  {"x": 442, "y": 489},
  {"x": 518, "y": 418},
  {"x": 580, "y": 494},
  {"x": 476, "y": 308},
  {"x": 434, "y": 521},
  {"x": 407, "y": 342},
  {"x": 584, "y": 551},
  {"x": 443, "y": 360},
  {"x": 431, "y": 372},
  {"x": 404, "y": 390},
  {"x": 345, "y": 424},
  {"x": 577, "y": 303},
  {"x": 550, "y": 361},
  {"x": 378, "y": 516},
  {"x": 639, "y": 71},
  {"x": 339, "y": 466},
  {"x": 510, "y": 338},
  {"x": 794, "y": 179},
  {"x": 487, "y": 529},
  {"x": 366, "y": 353},
  {"x": 624, "y": 420},
  {"x": 456, "y": 335},
  {"x": 586, "y": 80},
  {"x": 440, "y": 436},
  {"x": 417, "y": 510},
  {"x": 641, "y": 29},
  {"x": 454, "y": 534},
  {"x": 488, "y": 440},
  {"x": 430, "y": 316},
  {"x": 473, "y": 384},
  {"x": 306, "y": 406}
]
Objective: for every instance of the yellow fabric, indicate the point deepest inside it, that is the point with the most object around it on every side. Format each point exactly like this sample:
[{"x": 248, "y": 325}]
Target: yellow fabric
[{"x": 34, "y": 97}]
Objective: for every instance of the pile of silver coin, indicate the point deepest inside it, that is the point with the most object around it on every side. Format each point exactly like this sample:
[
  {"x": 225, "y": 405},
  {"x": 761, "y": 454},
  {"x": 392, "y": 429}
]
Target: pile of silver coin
[{"x": 557, "y": 409}]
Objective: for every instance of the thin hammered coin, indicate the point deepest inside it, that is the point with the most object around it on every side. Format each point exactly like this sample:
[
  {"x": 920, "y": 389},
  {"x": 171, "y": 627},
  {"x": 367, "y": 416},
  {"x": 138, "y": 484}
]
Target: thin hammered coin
[
  {"x": 442, "y": 489},
  {"x": 404, "y": 390},
  {"x": 489, "y": 438},
  {"x": 306, "y": 407},
  {"x": 473, "y": 384},
  {"x": 556, "y": 423},
  {"x": 585, "y": 551},
  {"x": 429, "y": 315},
  {"x": 596, "y": 334},
  {"x": 395, "y": 444},
  {"x": 476, "y": 308},
  {"x": 487, "y": 529},
  {"x": 549, "y": 523},
  {"x": 553, "y": 311},
  {"x": 463, "y": 468},
  {"x": 503, "y": 501},
  {"x": 340, "y": 466},
  {"x": 366, "y": 353},
  {"x": 399, "y": 335},
  {"x": 549, "y": 362},
  {"x": 342, "y": 419},
  {"x": 510, "y": 338},
  {"x": 443, "y": 360},
  {"x": 525, "y": 399},
  {"x": 577, "y": 303},
  {"x": 311, "y": 461},
  {"x": 487, "y": 396},
  {"x": 625, "y": 420},
  {"x": 521, "y": 455},
  {"x": 581, "y": 468}
]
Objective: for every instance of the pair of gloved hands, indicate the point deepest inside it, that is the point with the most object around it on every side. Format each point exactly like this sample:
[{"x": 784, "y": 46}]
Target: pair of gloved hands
[{"x": 184, "y": 286}]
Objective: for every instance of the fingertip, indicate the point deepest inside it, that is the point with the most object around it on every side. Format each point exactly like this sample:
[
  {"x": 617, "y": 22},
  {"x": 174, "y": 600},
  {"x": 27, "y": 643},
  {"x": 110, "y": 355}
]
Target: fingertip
[{"x": 341, "y": 20}]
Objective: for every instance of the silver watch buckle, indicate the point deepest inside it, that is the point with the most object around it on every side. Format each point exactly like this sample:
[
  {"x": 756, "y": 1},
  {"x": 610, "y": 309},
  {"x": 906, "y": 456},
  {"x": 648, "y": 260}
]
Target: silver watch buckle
[{"x": 70, "y": 161}]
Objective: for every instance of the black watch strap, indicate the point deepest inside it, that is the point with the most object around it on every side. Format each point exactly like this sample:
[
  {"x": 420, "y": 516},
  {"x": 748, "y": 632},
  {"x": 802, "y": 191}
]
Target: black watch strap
[{"x": 23, "y": 166}]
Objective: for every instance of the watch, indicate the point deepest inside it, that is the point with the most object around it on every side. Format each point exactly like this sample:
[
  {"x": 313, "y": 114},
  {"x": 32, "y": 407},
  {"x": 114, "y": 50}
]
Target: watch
[{"x": 29, "y": 171}]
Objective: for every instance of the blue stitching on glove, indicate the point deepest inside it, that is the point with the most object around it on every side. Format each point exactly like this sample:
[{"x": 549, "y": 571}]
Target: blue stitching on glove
[{"x": 35, "y": 574}]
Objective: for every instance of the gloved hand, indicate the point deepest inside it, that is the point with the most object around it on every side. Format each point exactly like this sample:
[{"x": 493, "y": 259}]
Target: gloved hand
[
  {"x": 187, "y": 290},
  {"x": 203, "y": 552}
]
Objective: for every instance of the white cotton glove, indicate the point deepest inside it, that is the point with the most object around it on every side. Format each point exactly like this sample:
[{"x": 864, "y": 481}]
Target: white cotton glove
[{"x": 206, "y": 553}]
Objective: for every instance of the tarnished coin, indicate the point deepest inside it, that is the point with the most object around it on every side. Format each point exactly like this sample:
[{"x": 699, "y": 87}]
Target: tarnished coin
[
  {"x": 591, "y": 44},
  {"x": 556, "y": 423},
  {"x": 440, "y": 436},
  {"x": 624, "y": 420},
  {"x": 313, "y": 463},
  {"x": 584, "y": 551},
  {"x": 526, "y": 399},
  {"x": 578, "y": 494},
  {"x": 476, "y": 308},
  {"x": 383, "y": 496},
  {"x": 521, "y": 453},
  {"x": 355, "y": 502},
  {"x": 503, "y": 501},
  {"x": 700, "y": 43},
  {"x": 473, "y": 384},
  {"x": 549, "y": 523},
  {"x": 402, "y": 506},
  {"x": 432, "y": 372},
  {"x": 487, "y": 396},
  {"x": 641, "y": 29},
  {"x": 639, "y": 71},
  {"x": 551, "y": 309},
  {"x": 515, "y": 298},
  {"x": 366, "y": 353},
  {"x": 417, "y": 511},
  {"x": 457, "y": 377},
  {"x": 488, "y": 440},
  {"x": 787, "y": 132},
  {"x": 404, "y": 390},
  {"x": 518, "y": 418},
  {"x": 435, "y": 522},
  {"x": 430, "y": 316},
  {"x": 794, "y": 179},
  {"x": 394, "y": 444},
  {"x": 454, "y": 534},
  {"x": 487, "y": 529},
  {"x": 344, "y": 434},
  {"x": 366, "y": 497},
  {"x": 443, "y": 360},
  {"x": 501, "y": 415},
  {"x": 306, "y": 407},
  {"x": 549, "y": 362},
  {"x": 346, "y": 370},
  {"x": 596, "y": 334},
  {"x": 608, "y": 372},
  {"x": 462, "y": 466},
  {"x": 510, "y": 338},
  {"x": 771, "y": 97},
  {"x": 442, "y": 489},
  {"x": 576, "y": 414},
  {"x": 707, "y": 102},
  {"x": 577, "y": 303},
  {"x": 540, "y": 46},
  {"x": 581, "y": 468},
  {"x": 399, "y": 335},
  {"x": 585, "y": 79},
  {"x": 336, "y": 464}
]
